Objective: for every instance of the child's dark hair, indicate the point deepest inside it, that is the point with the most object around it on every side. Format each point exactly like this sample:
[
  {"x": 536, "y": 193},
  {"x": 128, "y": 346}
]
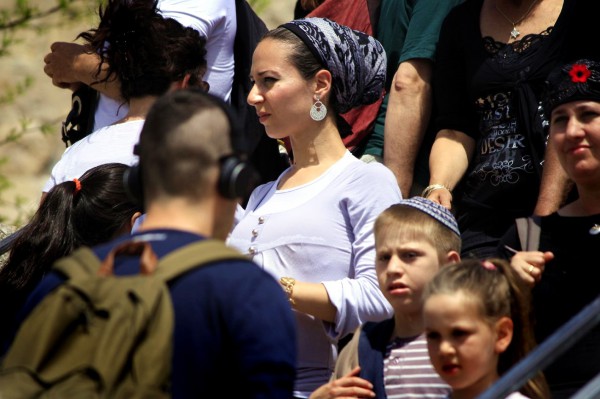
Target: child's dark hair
[
  {"x": 498, "y": 292},
  {"x": 144, "y": 51},
  {"x": 67, "y": 219}
]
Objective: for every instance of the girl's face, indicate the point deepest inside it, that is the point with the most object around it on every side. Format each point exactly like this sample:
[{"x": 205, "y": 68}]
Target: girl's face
[
  {"x": 281, "y": 96},
  {"x": 463, "y": 347},
  {"x": 575, "y": 133}
]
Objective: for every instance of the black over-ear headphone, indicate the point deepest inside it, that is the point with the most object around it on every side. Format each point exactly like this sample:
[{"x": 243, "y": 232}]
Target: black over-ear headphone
[
  {"x": 132, "y": 180},
  {"x": 237, "y": 177}
]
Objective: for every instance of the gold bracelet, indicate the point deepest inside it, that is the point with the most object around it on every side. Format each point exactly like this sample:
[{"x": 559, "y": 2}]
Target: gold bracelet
[
  {"x": 288, "y": 287},
  {"x": 431, "y": 188}
]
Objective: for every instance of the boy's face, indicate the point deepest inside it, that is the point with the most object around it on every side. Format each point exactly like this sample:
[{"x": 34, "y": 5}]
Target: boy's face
[{"x": 404, "y": 265}]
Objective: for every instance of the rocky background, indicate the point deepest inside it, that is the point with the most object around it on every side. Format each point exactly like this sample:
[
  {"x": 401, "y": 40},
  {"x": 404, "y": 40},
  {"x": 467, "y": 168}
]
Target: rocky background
[{"x": 37, "y": 111}]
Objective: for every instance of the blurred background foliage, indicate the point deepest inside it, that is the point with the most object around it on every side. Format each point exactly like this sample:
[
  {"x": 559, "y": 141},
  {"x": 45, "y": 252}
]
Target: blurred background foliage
[{"x": 19, "y": 20}]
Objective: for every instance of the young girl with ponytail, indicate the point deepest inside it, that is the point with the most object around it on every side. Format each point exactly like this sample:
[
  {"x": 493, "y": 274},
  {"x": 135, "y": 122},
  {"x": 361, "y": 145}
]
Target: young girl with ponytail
[
  {"x": 477, "y": 325},
  {"x": 86, "y": 211}
]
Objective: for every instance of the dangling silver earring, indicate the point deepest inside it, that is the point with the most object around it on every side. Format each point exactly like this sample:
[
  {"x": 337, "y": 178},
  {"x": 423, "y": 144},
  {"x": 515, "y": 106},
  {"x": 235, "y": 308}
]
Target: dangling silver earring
[{"x": 318, "y": 111}]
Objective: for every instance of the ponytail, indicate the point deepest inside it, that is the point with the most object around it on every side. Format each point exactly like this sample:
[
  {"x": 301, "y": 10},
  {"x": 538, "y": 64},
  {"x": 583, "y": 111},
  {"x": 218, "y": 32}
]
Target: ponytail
[
  {"x": 70, "y": 216},
  {"x": 48, "y": 236}
]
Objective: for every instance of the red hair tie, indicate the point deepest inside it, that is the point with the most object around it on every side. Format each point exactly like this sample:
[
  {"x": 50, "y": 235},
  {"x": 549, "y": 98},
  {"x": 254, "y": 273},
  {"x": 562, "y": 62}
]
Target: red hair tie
[{"x": 77, "y": 186}]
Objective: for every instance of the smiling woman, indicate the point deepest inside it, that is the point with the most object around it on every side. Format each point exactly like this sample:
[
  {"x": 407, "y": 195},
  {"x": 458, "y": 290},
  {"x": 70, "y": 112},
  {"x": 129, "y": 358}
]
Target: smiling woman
[
  {"x": 575, "y": 122},
  {"x": 490, "y": 150},
  {"x": 564, "y": 267}
]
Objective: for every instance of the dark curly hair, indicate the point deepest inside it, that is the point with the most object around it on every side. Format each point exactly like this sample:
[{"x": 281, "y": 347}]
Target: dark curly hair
[{"x": 144, "y": 51}]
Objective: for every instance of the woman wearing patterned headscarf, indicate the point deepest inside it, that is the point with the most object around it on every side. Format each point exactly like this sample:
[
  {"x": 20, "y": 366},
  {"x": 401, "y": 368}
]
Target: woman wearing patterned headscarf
[
  {"x": 564, "y": 269},
  {"x": 312, "y": 227}
]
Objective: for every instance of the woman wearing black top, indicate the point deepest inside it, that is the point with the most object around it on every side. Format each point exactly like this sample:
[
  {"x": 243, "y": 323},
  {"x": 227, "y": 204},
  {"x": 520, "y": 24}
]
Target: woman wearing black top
[
  {"x": 565, "y": 269},
  {"x": 493, "y": 57}
]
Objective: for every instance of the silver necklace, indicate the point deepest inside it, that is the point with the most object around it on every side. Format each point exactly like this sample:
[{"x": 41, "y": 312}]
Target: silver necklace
[{"x": 515, "y": 32}]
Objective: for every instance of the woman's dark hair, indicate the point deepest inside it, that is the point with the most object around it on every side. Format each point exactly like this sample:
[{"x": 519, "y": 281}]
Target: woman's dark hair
[
  {"x": 308, "y": 65},
  {"x": 301, "y": 56},
  {"x": 65, "y": 220},
  {"x": 144, "y": 51}
]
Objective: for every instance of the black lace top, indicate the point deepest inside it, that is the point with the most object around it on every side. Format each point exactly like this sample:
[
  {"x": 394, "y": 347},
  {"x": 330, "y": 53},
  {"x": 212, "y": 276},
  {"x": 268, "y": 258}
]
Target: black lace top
[
  {"x": 510, "y": 53},
  {"x": 491, "y": 91}
]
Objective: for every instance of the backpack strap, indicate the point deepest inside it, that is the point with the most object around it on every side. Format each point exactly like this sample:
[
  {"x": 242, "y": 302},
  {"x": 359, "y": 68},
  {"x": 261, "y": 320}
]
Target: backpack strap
[
  {"x": 528, "y": 230},
  {"x": 195, "y": 255},
  {"x": 84, "y": 262},
  {"x": 81, "y": 263},
  {"x": 143, "y": 249},
  {"x": 522, "y": 232}
]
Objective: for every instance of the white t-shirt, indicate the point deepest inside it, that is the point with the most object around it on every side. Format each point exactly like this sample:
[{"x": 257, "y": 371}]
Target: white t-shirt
[
  {"x": 213, "y": 19},
  {"x": 112, "y": 143}
]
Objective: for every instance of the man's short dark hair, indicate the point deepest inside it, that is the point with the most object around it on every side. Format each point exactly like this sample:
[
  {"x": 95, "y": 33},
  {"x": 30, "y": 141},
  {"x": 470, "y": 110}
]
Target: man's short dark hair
[{"x": 185, "y": 134}]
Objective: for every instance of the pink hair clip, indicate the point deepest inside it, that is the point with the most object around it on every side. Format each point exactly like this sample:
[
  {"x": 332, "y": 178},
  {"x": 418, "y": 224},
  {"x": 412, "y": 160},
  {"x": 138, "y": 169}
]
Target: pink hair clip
[{"x": 488, "y": 265}]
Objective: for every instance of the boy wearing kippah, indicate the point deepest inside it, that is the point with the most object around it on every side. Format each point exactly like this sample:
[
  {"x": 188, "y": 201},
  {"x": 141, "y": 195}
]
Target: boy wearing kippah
[{"x": 413, "y": 239}]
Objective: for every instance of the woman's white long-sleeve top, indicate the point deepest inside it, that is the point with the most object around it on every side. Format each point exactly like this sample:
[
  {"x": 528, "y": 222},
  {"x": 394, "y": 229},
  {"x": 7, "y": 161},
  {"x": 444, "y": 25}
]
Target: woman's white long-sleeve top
[{"x": 322, "y": 232}]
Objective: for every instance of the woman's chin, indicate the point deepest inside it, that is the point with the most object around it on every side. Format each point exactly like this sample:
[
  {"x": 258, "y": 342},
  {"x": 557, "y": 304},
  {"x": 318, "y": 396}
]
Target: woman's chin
[
  {"x": 583, "y": 172},
  {"x": 272, "y": 134}
]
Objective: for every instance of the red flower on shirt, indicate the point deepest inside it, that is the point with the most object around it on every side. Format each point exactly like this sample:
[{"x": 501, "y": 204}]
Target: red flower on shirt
[{"x": 579, "y": 73}]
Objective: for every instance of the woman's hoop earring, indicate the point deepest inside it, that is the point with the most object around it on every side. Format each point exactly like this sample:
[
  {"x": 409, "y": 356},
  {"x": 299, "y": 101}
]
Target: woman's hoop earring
[{"x": 318, "y": 111}]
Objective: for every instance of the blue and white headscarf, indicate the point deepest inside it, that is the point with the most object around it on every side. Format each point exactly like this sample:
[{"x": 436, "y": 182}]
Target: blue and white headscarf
[{"x": 357, "y": 61}]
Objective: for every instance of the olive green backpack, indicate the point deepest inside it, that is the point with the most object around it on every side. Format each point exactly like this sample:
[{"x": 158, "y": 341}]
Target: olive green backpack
[{"x": 98, "y": 335}]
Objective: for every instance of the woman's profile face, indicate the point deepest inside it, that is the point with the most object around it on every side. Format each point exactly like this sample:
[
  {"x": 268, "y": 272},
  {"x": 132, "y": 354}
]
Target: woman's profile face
[
  {"x": 281, "y": 96},
  {"x": 575, "y": 133}
]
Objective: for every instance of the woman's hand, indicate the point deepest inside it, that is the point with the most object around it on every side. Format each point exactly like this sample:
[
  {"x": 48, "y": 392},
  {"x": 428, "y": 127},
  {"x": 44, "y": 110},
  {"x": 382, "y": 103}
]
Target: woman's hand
[
  {"x": 64, "y": 63},
  {"x": 442, "y": 196},
  {"x": 309, "y": 298},
  {"x": 448, "y": 162},
  {"x": 70, "y": 64},
  {"x": 529, "y": 265},
  {"x": 349, "y": 386}
]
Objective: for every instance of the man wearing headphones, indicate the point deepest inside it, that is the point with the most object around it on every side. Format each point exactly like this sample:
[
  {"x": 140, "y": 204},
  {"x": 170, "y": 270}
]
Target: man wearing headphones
[{"x": 232, "y": 320}]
